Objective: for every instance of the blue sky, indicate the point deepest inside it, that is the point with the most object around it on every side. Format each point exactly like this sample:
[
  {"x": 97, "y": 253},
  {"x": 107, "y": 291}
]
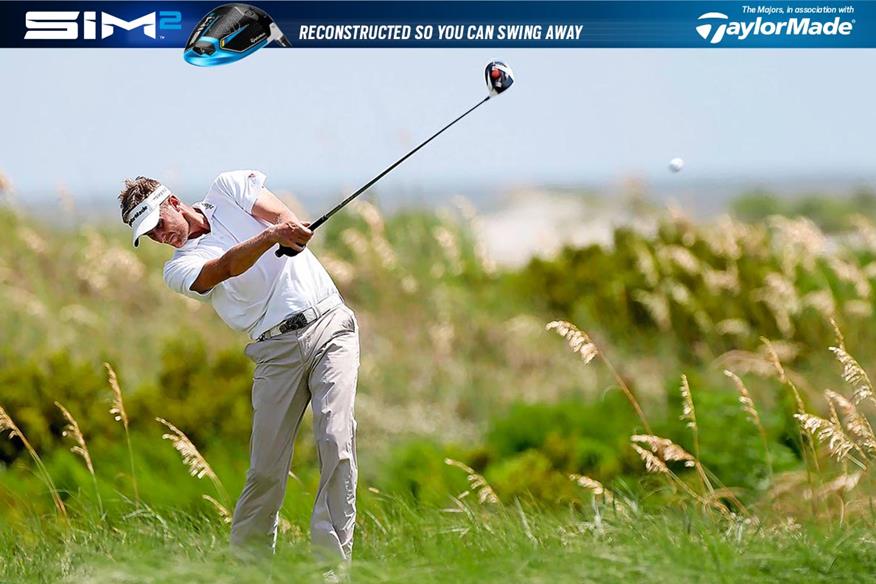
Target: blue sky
[{"x": 324, "y": 120}]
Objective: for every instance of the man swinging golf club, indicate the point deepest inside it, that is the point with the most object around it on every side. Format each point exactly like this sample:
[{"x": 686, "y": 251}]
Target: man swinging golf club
[{"x": 304, "y": 340}]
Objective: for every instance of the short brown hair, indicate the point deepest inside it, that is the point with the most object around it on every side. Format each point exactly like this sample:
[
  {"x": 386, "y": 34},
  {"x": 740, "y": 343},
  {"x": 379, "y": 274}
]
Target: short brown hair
[{"x": 135, "y": 192}]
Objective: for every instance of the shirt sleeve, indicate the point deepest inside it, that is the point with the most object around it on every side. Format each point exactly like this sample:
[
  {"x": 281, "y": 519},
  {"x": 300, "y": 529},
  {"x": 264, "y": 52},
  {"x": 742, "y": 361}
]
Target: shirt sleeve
[
  {"x": 241, "y": 186},
  {"x": 181, "y": 271}
]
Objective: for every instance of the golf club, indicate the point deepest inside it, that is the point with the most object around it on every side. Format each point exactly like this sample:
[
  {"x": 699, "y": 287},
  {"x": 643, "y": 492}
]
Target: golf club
[
  {"x": 499, "y": 78},
  {"x": 230, "y": 33}
]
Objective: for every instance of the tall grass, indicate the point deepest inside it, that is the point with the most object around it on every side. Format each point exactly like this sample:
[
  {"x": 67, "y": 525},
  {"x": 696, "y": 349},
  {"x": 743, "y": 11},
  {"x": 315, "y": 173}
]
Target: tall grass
[
  {"x": 8, "y": 425},
  {"x": 72, "y": 431},
  {"x": 690, "y": 299},
  {"x": 120, "y": 415}
]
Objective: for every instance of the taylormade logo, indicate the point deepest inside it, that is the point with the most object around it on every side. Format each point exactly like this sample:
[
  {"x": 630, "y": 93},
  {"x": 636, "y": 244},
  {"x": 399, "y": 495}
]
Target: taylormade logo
[{"x": 717, "y": 25}]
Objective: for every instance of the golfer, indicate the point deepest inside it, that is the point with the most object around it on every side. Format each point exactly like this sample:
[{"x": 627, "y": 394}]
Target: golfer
[{"x": 305, "y": 341}]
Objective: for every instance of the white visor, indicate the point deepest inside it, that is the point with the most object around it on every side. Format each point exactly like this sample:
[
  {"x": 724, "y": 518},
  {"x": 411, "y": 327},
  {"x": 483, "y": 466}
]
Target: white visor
[{"x": 144, "y": 217}]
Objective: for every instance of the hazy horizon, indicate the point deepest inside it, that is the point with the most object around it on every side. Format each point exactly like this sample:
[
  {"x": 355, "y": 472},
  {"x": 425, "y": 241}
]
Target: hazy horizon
[{"x": 321, "y": 122}]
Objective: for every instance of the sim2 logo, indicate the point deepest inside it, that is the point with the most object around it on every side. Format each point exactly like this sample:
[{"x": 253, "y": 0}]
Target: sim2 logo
[
  {"x": 65, "y": 25},
  {"x": 716, "y": 26}
]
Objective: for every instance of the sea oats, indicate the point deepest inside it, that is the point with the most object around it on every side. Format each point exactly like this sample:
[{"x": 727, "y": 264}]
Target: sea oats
[
  {"x": 652, "y": 463},
  {"x": 118, "y": 409},
  {"x": 851, "y": 273},
  {"x": 665, "y": 449},
  {"x": 838, "y": 444},
  {"x": 465, "y": 207},
  {"x": 733, "y": 326},
  {"x": 752, "y": 413},
  {"x": 865, "y": 231},
  {"x": 579, "y": 341},
  {"x": 477, "y": 483},
  {"x": 681, "y": 257},
  {"x": 32, "y": 240},
  {"x": 355, "y": 241},
  {"x": 78, "y": 315},
  {"x": 744, "y": 398},
  {"x": 723, "y": 239},
  {"x": 840, "y": 340},
  {"x": 779, "y": 295},
  {"x": 23, "y": 301},
  {"x": 5, "y": 183},
  {"x": 447, "y": 241},
  {"x": 102, "y": 264},
  {"x": 370, "y": 214},
  {"x": 747, "y": 362},
  {"x": 8, "y": 425},
  {"x": 841, "y": 484},
  {"x": 657, "y": 305},
  {"x": 586, "y": 482},
  {"x": 409, "y": 284},
  {"x": 442, "y": 335},
  {"x": 773, "y": 358},
  {"x": 797, "y": 241},
  {"x": 821, "y": 301},
  {"x": 220, "y": 508},
  {"x": 857, "y": 424},
  {"x": 191, "y": 456},
  {"x": 646, "y": 265},
  {"x": 855, "y": 376},
  {"x": 384, "y": 251},
  {"x": 341, "y": 271},
  {"x": 72, "y": 431},
  {"x": 858, "y": 308},
  {"x": 688, "y": 413},
  {"x": 722, "y": 280},
  {"x": 119, "y": 414}
]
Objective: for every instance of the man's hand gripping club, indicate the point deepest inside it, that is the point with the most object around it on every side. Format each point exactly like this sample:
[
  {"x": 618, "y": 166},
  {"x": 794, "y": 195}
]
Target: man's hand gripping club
[{"x": 291, "y": 234}]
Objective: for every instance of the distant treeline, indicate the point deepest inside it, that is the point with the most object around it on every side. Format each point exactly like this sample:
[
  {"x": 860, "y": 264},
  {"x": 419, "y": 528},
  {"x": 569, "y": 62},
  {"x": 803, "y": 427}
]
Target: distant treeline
[{"x": 831, "y": 213}]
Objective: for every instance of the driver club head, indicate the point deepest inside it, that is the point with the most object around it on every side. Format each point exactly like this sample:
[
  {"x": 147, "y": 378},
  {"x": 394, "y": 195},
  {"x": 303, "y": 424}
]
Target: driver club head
[
  {"x": 230, "y": 33},
  {"x": 499, "y": 77}
]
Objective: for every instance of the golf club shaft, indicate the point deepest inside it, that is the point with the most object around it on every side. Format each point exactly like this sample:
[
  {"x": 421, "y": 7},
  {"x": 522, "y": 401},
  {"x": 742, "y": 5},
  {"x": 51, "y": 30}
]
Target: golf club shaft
[{"x": 313, "y": 226}]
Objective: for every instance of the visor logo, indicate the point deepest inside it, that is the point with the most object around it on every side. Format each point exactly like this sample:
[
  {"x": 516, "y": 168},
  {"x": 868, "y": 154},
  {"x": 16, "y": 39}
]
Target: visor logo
[{"x": 136, "y": 214}]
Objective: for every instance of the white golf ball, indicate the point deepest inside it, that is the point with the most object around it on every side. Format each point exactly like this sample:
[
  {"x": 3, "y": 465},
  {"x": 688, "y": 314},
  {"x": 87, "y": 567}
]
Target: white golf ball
[{"x": 676, "y": 164}]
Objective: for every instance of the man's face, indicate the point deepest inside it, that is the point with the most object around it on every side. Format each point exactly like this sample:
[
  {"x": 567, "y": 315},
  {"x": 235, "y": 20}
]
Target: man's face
[{"x": 172, "y": 227}]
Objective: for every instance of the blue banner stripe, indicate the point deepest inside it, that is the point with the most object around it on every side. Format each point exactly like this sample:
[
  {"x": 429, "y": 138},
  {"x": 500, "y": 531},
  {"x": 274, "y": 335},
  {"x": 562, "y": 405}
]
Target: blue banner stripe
[{"x": 532, "y": 24}]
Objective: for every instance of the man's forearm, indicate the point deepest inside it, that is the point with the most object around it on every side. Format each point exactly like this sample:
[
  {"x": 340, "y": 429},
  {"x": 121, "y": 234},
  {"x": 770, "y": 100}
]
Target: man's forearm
[{"x": 242, "y": 256}]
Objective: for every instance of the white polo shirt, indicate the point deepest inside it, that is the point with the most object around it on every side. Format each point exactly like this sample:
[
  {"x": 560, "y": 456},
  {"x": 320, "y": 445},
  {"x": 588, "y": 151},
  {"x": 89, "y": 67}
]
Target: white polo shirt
[{"x": 273, "y": 288}]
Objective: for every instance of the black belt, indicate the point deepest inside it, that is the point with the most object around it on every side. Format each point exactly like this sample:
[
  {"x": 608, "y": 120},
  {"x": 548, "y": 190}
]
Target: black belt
[{"x": 303, "y": 318}]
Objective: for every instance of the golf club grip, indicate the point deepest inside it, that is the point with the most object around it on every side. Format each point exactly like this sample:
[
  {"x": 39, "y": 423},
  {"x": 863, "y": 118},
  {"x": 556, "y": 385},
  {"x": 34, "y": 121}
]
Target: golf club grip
[{"x": 288, "y": 251}]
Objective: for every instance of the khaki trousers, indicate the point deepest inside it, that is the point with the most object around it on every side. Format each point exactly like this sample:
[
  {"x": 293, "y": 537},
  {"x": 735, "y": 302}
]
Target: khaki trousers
[{"x": 317, "y": 363}]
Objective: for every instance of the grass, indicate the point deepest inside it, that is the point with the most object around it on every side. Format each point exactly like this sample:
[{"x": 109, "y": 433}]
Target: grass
[
  {"x": 764, "y": 476},
  {"x": 400, "y": 543}
]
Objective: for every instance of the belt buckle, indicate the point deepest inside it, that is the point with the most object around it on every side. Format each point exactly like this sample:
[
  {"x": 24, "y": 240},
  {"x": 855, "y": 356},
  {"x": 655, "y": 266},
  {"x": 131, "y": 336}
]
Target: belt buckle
[{"x": 292, "y": 323}]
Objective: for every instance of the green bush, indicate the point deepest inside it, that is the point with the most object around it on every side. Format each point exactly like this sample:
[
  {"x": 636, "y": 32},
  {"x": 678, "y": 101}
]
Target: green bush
[
  {"x": 531, "y": 474},
  {"x": 416, "y": 468},
  {"x": 574, "y": 436}
]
